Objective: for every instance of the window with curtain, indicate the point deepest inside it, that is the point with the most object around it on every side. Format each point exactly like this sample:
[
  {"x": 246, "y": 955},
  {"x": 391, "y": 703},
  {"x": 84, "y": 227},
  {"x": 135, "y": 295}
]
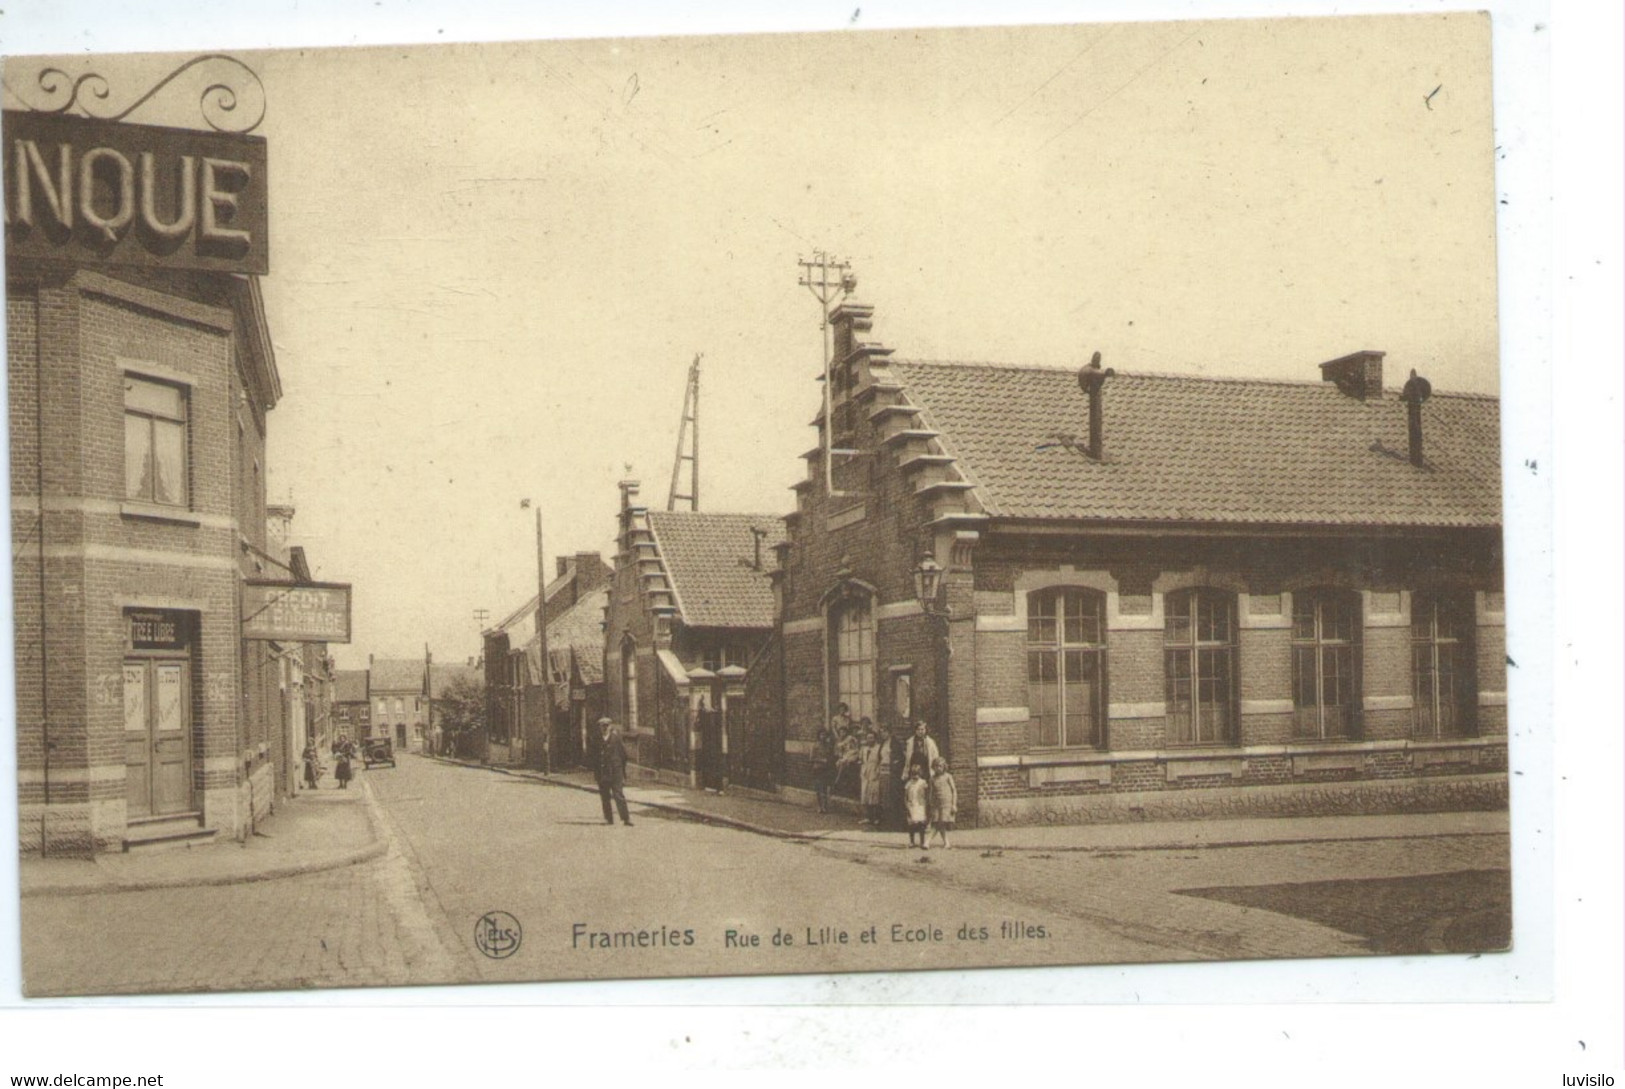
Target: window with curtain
[
  {"x": 155, "y": 455},
  {"x": 1199, "y": 640},
  {"x": 1066, "y": 667}
]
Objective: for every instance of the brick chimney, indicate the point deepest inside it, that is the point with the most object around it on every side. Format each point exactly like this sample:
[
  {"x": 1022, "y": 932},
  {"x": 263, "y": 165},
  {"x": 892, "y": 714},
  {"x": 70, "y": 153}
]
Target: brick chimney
[
  {"x": 590, "y": 573},
  {"x": 1358, "y": 374}
]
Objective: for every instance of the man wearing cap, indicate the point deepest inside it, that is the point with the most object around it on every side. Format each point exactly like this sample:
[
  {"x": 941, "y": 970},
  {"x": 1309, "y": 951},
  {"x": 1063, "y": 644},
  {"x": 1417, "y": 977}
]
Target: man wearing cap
[{"x": 612, "y": 771}]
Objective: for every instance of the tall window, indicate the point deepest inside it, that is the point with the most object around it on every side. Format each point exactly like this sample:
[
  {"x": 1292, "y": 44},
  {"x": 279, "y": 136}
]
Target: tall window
[
  {"x": 1326, "y": 663},
  {"x": 854, "y": 653},
  {"x": 154, "y": 442},
  {"x": 629, "y": 682},
  {"x": 1066, "y": 667},
  {"x": 1442, "y": 664},
  {"x": 1199, "y": 637}
]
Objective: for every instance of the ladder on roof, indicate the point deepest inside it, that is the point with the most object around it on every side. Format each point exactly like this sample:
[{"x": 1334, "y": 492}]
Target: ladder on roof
[{"x": 688, "y": 432}]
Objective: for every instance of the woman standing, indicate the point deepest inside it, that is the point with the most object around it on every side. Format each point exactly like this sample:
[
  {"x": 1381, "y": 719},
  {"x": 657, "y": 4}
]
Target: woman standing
[
  {"x": 871, "y": 776},
  {"x": 343, "y": 772}
]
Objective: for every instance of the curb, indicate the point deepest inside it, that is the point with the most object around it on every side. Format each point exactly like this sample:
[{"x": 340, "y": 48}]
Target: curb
[
  {"x": 844, "y": 836},
  {"x": 374, "y": 849}
]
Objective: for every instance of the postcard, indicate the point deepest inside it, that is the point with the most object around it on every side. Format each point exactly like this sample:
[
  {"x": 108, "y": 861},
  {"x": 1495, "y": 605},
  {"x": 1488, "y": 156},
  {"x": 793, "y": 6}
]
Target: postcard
[{"x": 752, "y": 505}]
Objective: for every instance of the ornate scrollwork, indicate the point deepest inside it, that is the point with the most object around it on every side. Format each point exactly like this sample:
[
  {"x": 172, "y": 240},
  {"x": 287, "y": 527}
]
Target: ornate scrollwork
[{"x": 59, "y": 91}]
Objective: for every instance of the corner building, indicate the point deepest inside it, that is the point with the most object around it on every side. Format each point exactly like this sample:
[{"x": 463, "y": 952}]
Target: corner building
[
  {"x": 138, "y": 406},
  {"x": 1172, "y": 596}
]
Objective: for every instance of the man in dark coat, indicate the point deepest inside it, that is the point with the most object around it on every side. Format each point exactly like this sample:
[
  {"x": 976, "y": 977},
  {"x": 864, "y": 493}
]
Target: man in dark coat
[{"x": 612, "y": 771}]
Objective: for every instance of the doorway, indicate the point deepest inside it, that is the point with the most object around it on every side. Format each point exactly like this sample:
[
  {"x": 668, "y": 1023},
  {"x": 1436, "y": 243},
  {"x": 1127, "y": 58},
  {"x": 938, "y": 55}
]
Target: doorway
[{"x": 158, "y": 736}]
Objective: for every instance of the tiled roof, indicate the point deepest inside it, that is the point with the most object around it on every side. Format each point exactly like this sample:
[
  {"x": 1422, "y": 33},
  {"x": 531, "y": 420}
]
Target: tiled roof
[
  {"x": 1185, "y": 448},
  {"x": 397, "y": 675},
  {"x": 441, "y": 675},
  {"x": 350, "y": 686},
  {"x": 709, "y": 558},
  {"x": 578, "y": 629}
]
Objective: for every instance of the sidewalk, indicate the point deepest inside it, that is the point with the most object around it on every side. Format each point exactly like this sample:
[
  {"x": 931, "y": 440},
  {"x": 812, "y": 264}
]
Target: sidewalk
[
  {"x": 318, "y": 830},
  {"x": 752, "y": 812}
]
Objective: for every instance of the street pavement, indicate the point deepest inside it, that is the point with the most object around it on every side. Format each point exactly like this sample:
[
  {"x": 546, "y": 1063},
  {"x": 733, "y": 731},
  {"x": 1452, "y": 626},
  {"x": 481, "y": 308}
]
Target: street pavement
[{"x": 397, "y": 882}]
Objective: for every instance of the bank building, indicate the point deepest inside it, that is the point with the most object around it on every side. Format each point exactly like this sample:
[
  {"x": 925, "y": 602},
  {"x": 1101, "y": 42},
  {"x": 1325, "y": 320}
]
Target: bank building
[{"x": 157, "y": 701}]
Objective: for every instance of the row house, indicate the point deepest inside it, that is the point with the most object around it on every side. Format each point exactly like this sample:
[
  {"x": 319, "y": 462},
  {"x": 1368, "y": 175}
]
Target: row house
[
  {"x": 1120, "y": 595},
  {"x": 690, "y": 610},
  {"x": 398, "y": 689},
  {"x": 522, "y": 729}
]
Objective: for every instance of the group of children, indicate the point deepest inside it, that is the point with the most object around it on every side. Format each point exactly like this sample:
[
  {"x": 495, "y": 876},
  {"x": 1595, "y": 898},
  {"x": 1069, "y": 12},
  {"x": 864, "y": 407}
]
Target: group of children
[{"x": 931, "y": 806}]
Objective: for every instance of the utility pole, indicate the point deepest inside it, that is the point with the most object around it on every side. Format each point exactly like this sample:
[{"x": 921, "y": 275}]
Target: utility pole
[
  {"x": 480, "y": 617},
  {"x": 829, "y": 281},
  {"x": 689, "y": 429},
  {"x": 546, "y": 716}
]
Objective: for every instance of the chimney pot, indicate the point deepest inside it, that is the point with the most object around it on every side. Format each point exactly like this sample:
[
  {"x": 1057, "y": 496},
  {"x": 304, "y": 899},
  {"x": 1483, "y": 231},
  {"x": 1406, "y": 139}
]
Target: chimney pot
[
  {"x": 1358, "y": 374},
  {"x": 1090, "y": 379},
  {"x": 1416, "y": 391}
]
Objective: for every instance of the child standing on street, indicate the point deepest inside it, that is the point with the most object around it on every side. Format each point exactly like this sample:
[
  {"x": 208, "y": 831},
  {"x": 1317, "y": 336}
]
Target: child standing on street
[
  {"x": 944, "y": 801},
  {"x": 915, "y": 791}
]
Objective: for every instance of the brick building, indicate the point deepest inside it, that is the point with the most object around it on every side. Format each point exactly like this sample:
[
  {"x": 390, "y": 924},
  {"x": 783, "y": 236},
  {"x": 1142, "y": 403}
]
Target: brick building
[
  {"x": 399, "y": 693},
  {"x": 1158, "y": 595},
  {"x": 575, "y": 651},
  {"x": 690, "y": 610},
  {"x": 522, "y": 730},
  {"x": 138, "y": 403},
  {"x": 352, "y": 706}
]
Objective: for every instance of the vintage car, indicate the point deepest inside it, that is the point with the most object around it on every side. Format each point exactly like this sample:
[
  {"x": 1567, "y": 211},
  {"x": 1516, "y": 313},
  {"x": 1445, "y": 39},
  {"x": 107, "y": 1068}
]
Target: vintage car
[{"x": 378, "y": 750}]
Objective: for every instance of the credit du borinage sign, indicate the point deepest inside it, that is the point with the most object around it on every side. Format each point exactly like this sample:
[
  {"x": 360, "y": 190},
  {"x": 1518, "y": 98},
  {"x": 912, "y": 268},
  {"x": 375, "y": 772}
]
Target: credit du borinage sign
[
  {"x": 98, "y": 192},
  {"x": 310, "y": 612}
]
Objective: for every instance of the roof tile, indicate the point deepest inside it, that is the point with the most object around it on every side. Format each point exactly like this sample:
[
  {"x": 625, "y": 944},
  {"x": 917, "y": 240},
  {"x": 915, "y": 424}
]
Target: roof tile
[{"x": 1185, "y": 448}]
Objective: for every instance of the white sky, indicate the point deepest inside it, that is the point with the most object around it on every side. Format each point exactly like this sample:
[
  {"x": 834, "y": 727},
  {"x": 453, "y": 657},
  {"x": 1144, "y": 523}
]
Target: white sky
[{"x": 492, "y": 264}]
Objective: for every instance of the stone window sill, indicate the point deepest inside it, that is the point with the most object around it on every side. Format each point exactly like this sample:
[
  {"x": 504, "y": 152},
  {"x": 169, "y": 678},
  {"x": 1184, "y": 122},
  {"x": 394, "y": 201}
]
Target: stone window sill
[{"x": 156, "y": 512}]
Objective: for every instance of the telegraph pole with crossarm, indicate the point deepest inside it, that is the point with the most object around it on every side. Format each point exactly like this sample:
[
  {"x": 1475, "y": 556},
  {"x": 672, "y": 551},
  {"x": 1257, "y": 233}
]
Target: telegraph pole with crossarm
[{"x": 829, "y": 281}]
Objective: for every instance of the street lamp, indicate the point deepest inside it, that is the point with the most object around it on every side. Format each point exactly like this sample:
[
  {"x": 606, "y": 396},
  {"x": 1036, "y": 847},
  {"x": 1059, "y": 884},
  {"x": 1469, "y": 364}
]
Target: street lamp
[{"x": 927, "y": 582}]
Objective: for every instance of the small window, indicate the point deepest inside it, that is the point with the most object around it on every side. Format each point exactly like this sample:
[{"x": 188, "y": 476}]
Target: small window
[{"x": 155, "y": 445}]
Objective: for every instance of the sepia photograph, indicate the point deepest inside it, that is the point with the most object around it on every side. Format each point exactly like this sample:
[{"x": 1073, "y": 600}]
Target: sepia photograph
[{"x": 756, "y": 505}]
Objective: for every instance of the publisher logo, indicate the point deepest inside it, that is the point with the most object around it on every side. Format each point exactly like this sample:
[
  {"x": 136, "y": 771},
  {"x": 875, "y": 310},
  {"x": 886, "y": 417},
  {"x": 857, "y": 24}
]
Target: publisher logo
[{"x": 497, "y": 935}]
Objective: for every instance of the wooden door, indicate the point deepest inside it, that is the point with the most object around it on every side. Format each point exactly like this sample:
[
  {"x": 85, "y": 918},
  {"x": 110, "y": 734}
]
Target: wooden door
[{"x": 157, "y": 736}]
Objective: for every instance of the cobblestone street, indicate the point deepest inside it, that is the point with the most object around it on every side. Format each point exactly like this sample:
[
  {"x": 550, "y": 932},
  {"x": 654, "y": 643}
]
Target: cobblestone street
[{"x": 409, "y": 914}]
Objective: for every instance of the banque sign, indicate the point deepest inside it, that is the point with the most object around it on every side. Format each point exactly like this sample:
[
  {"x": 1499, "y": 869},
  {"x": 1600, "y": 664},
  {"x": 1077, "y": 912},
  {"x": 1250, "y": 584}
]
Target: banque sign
[{"x": 98, "y": 192}]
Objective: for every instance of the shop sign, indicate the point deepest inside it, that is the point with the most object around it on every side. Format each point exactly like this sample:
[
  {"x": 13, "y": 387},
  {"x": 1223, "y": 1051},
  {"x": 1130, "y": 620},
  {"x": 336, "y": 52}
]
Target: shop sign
[
  {"x": 159, "y": 629},
  {"x": 296, "y": 612},
  {"x": 112, "y": 193}
]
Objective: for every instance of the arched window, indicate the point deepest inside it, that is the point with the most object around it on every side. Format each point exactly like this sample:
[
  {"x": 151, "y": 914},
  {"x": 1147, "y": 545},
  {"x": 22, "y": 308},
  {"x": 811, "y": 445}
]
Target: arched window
[
  {"x": 1066, "y": 667},
  {"x": 1199, "y": 640},
  {"x": 852, "y": 656},
  {"x": 1443, "y": 667},
  {"x": 629, "y": 682},
  {"x": 1326, "y": 663}
]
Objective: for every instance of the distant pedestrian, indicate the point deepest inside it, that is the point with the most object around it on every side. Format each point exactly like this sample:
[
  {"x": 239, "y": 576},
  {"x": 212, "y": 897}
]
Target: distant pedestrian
[
  {"x": 612, "y": 771},
  {"x": 313, "y": 761},
  {"x": 343, "y": 770},
  {"x": 915, "y": 791},
  {"x": 944, "y": 802},
  {"x": 823, "y": 764}
]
